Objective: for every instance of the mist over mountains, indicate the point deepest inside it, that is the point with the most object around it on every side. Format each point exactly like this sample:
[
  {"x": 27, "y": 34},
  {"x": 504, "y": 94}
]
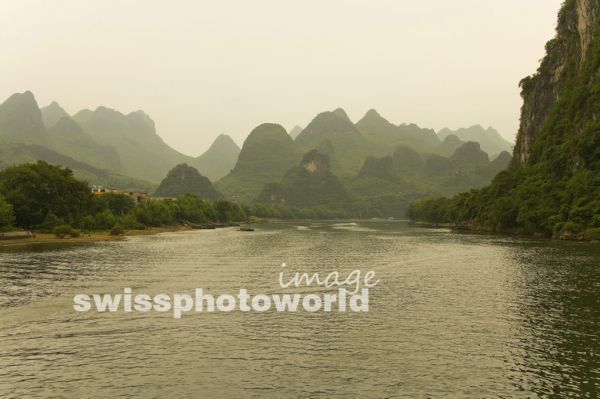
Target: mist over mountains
[{"x": 331, "y": 162}]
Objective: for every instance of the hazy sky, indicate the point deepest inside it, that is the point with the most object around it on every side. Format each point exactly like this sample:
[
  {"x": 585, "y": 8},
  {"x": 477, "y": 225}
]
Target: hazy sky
[{"x": 200, "y": 68}]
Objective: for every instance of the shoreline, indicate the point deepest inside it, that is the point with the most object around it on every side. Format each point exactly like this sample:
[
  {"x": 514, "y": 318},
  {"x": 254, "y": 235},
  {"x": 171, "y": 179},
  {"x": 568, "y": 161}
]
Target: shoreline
[
  {"x": 580, "y": 237},
  {"x": 97, "y": 236},
  {"x": 101, "y": 236}
]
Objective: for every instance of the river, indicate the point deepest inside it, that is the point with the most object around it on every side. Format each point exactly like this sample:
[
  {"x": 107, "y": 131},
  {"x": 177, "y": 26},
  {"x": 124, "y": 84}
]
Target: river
[{"x": 454, "y": 315}]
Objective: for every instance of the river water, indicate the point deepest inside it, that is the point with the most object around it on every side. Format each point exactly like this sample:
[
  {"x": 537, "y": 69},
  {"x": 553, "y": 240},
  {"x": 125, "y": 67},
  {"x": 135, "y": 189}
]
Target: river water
[{"x": 454, "y": 315}]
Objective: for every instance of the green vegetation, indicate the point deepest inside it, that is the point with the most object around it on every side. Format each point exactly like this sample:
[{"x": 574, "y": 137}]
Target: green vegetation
[
  {"x": 184, "y": 179},
  {"x": 34, "y": 190},
  {"x": 48, "y": 198},
  {"x": 521, "y": 201},
  {"x": 227, "y": 211},
  {"x": 117, "y": 230},
  {"x": 553, "y": 186},
  {"x": 66, "y": 231},
  {"x": 7, "y": 216}
]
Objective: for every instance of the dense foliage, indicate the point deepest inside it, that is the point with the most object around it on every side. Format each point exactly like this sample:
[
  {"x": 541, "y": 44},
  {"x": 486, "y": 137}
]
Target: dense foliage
[
  {"x": 48, "y": 198},
  {"x": 34, "y": 190},
  {"x": 7, "y": 216}
]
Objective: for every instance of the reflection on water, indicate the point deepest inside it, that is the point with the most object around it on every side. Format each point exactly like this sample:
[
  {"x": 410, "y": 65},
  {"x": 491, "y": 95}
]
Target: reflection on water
[{"x": 456, "y": 314}]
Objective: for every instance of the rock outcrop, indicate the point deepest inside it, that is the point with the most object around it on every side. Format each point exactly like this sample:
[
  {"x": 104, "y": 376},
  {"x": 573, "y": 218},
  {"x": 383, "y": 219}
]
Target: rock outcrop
[{"x": 565, "y": 58}]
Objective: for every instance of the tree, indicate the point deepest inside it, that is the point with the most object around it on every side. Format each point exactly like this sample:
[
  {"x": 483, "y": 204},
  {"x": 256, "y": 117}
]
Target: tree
[
  {"x": 39, "y": 188},
  {"x": 228, "y": 211},
  {"x": 118, "y": 204},
  {"x": 154, "y": 213},
  {"x": 7, "y": 216},
  {"x": 190, "y": 208}
]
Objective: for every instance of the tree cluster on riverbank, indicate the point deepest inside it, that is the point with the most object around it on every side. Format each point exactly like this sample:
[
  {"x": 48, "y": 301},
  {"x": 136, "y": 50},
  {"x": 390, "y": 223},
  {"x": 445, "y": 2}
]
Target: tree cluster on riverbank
[{"x": 50, "y": 199}]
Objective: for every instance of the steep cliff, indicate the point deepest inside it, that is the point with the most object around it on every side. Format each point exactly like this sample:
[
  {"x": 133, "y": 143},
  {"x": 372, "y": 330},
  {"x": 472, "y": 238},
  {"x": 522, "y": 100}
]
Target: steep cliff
[
  {"x": 564, "y": 89},
  {"x": 553, "y": 184}
]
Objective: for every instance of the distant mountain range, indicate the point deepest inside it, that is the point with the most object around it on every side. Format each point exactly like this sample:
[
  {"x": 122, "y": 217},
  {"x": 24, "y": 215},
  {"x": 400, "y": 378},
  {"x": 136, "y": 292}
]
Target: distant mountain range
[
  {"x": 330, "y": 161},
  {"x": 490, "y": 140},
  {"x": 105, "y": 139}
]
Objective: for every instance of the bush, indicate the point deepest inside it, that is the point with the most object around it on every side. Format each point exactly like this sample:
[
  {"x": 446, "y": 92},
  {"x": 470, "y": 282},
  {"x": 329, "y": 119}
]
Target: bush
[
  {"x": 129, "y": 223},
  {"x": 117, "y": 230},
  {"x": 254, "y": 219},
  {"x": 592, "y": 234},
  {"x": 571, "y": 228},
  {"x": 51, "y": 221},
  {"x": 65, "y": 231},
  {"x": 88, "y": 223},
  {"x": 104, "y": 220}
]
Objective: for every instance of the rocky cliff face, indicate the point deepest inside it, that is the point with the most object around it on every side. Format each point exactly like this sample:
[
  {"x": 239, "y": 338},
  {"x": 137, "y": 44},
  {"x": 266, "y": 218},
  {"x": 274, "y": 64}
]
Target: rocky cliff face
[
  {"x": 567, "y": 55},
  {"x": 552, "y": 187}
]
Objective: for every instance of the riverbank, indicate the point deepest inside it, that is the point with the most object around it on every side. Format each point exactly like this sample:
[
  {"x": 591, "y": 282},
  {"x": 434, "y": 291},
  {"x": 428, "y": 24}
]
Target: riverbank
[
  {"x": 590, "y": 235},
  {"x": 96, "y": 236}
]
